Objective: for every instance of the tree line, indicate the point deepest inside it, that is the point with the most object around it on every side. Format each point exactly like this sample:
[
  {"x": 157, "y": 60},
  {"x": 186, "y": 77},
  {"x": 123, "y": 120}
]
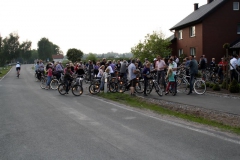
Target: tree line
[{"x": 11, "y": 50}]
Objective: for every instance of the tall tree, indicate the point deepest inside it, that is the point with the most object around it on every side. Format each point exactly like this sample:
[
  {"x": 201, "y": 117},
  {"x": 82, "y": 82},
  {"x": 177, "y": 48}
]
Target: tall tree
[
  {"x": 45, "y": 49},
  {"x": 154, "y": 44},
  {"x": 91, "y": 57},
  {"x": 25, "y": 50},
  {"x": 11, "y": 47},
  {"x": 74, "y": 54}
]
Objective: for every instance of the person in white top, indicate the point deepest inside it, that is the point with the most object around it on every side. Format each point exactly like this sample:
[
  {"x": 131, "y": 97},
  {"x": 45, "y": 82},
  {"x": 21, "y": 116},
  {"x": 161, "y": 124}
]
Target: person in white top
[
  {"x": 233, "y": 67},
  {"x": 160, "y": 66},
  {"x": 18, "y": 68}
]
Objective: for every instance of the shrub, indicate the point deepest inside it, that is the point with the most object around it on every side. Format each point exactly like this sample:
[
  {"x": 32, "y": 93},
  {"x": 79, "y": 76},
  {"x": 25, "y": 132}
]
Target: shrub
[
  {"x": 234, "y": 87},
  {"x": 224, "y": 85},
  {"x": 216, "y": 87},
  {"x": 211, "y": 85},
  {"x": 207, "y": 84}
]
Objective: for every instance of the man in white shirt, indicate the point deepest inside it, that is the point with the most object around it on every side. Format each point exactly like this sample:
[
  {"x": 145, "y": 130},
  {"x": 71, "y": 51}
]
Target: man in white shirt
[
  {"x": 233, "y": 67},
  {"x": 160, "y": 66}
]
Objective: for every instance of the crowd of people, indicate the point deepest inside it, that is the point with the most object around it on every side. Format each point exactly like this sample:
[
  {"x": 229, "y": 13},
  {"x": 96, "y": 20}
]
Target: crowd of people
[{"x": 131, "y": 69}]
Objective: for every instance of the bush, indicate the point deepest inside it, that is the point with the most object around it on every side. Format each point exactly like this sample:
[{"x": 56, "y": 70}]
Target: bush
[
  {"x": 216, "y": 87},
  {"x": 234, "y": 87},
  {"x": 207, "y": 84},
  {"x": 224, "y": 85},
  {"x": 211, "y": 85}
]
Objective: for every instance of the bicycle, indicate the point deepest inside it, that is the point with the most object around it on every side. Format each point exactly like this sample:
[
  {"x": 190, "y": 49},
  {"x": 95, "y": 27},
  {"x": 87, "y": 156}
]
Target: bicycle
[
  {"x": 152, "y": 83},
  {"x": 76, "y": 88},
  {"x": 55, "y": 82},
  {"x": 199, "y": 85}
]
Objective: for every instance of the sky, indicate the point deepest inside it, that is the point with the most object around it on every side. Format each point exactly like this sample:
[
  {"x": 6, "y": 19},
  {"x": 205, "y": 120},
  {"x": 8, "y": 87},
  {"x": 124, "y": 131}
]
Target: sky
[{"x": 93, "y": 26}]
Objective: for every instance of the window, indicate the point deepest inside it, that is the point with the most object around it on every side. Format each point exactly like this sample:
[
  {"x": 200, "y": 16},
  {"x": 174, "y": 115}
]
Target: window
[
  {"x": 235, "y": 6},
  {"x": 180, "y": 52},
  {"x": 192, "y": 51},
  {"x": 238, "y": 29},
  {"x": 180, "y": 34},
  {"x": 192, "y": 31}
]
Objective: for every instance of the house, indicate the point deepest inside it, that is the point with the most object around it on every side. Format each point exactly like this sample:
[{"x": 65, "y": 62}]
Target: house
[
  {"x": 57, "y": 57},
  {"x": 207, "y": 28}
]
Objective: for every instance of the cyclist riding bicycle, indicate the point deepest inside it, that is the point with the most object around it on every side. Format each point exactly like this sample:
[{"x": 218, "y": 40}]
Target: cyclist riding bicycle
[
  {"x": 18, "y": 68},
  {"x": 68, "y": 78}
]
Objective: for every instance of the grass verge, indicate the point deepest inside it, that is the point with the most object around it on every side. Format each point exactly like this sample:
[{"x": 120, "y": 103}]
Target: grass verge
[
  {"x": 141, "y": 104},
  {"x": 4, "y": 71}
]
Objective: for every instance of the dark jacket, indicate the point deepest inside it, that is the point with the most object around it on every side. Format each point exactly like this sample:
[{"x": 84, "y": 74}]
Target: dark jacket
[{"x": 193, "y": 66}]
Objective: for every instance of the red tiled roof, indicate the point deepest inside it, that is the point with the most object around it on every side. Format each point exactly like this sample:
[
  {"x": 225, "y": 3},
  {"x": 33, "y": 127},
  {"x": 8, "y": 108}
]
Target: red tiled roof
[{"x": 58, "y": 56}]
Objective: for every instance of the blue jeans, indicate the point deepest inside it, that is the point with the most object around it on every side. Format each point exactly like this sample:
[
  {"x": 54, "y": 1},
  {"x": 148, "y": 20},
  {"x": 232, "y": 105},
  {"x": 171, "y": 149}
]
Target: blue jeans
[
  {"x": 49, "y": 78},
  {"x": 191, "y": 81}
]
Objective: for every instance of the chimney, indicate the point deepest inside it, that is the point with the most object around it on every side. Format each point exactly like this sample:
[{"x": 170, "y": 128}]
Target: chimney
[
  {"x": 209, "y": 1},
  {"x": 195, "y": 6}
]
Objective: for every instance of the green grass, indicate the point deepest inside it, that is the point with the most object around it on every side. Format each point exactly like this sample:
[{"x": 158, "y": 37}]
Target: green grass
[
  {"x": 140, "y": 103},
  {"x": 4, "y": 71}
]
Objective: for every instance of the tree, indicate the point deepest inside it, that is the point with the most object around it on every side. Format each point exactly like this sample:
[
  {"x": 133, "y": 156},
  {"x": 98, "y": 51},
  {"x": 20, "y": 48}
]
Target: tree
[
  {"x": 74, "y": 54},
  {"x": 91, "y": 57},
  {"x": 10, "y": 48},
  {"x": 153, "y": 45},
  {"x": 45, "y": 49},
  {"x": 25, "y": 50}
]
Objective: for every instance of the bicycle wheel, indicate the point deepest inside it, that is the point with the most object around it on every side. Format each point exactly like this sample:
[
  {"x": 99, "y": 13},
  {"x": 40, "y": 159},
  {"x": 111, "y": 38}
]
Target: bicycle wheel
[
  {"x": 77, "y": 90},
  {"x": 139, "y": 88},
  {"x": 149, "y": 87},
  {"x": 54, "y": 84},
  {"x": 199, "y": 86},
  {"x": 62, "y": 89},
  {"x": 94, "y": 88},
  {"x": 112, "y": 87},
  {"x": 158, "y": 89},
  {"x": 43, "y": 83},
  {"x": 121, "y": 87}
]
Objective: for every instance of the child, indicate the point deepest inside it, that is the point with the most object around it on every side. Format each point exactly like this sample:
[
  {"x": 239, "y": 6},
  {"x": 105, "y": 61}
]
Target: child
[
  {"x": 171, "y": 79},
  {"x": 68, "y": 78},
  {"x": 105, "y": 75},
  {"x": 146, "y": 72},
  {"x": 49, "y": 76}
]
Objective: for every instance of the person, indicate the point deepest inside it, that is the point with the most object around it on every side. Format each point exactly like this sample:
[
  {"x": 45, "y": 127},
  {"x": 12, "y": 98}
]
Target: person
[
  {"x": 146, "y": 72},
  {"x": 132, "y": 77},
  {"x": 49, "y": 76},
  {"x": 176, "y": 60},
  {"x": 203, "y": 66},
  {"x": 123, "y": 70},
  {"x": 68, "y": 78},
  {"x": 118, "y": 65},
  {"x": 96, "y": 69},
  {"x": 90, "y": 70},
  {"x": 193, "y": 70},
  {"x": 173, "y": 65},
  {"x": 104, "y": 76},
  {"x": 36, "y": 68},
  {"x": 171, "y": 79},
  {"x": 222, "y": 67},
  {"x": 80, "y": 71},
  {"x": 40, "y": 69},
  {"x": 18, "y": 68},
  {"x": 160, "y": 66},
  {"x": 213, "y": 64},
  {"x": 100, "y": 72},
  {"x": 59, "y": 70},
  {"x": 233, "y": 67},
  {"x": 205, "y": 59}
]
